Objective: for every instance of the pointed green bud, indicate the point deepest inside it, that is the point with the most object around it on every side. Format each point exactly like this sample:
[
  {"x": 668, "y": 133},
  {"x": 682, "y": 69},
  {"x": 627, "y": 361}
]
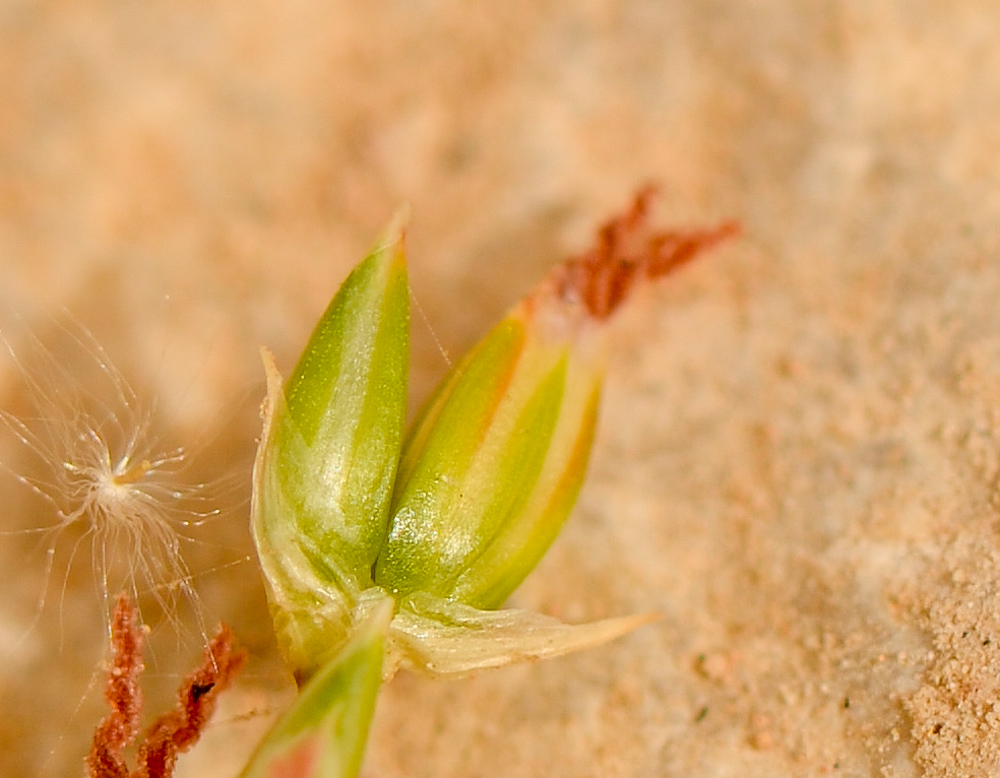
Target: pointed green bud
[
  {"x": 323, "y": 734},
  {"x": 328, "y": 456},
  {"x": 491, "y": 467}
]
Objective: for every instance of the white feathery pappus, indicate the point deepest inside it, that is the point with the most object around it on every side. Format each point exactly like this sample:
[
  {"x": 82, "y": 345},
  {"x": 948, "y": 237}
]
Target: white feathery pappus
[{"x": 111, "y": 490}]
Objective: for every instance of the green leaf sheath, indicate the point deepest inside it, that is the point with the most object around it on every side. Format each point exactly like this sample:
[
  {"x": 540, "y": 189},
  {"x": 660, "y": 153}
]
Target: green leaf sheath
[{"x": 323, "y": 734}]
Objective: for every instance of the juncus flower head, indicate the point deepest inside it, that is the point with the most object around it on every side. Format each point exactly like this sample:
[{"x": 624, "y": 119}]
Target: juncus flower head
[{"x": 446, "y": 522}]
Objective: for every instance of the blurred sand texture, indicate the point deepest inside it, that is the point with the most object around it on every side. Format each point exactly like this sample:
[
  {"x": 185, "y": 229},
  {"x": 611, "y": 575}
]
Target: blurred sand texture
[{"x": 799, "y": 459}]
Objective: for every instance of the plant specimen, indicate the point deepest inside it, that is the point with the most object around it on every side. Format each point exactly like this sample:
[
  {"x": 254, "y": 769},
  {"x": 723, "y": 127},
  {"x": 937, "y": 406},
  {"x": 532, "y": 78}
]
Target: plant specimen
[{"x": 381, "y": 550}]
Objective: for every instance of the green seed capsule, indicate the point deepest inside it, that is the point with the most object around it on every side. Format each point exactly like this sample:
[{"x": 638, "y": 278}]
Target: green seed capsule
[{"x": 491, "y": 468}]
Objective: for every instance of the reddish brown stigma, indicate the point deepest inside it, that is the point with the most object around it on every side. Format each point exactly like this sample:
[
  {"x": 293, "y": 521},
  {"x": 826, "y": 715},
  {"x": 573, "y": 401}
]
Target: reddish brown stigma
[
  {"x": 629, "y": 251},
  {"x": 172, "y": 732}
]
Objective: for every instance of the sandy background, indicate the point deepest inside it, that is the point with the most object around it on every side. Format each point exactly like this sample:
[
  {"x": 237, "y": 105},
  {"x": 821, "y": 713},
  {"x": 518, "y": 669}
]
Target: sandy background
[{"x": 799, "y": 458}]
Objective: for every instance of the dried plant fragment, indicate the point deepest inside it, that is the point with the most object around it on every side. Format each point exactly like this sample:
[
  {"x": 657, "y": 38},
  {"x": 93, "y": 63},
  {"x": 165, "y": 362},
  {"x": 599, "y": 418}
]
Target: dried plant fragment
[
  {"x": 172, "y": 733},
  {"x": 178, "y": 730},
  {"x": 628, "y": 252},
  {"x": 117, "y": 730}
]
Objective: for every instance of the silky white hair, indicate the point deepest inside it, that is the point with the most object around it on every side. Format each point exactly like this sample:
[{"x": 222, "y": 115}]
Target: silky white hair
[{"x": 89, "y": 449}]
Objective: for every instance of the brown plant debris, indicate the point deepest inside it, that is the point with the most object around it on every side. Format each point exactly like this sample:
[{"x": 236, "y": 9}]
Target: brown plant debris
[
  {"x": 173, "y": 732},
  {"x": 123, "y": 693},
  {"x": 628, "y": 250}
]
